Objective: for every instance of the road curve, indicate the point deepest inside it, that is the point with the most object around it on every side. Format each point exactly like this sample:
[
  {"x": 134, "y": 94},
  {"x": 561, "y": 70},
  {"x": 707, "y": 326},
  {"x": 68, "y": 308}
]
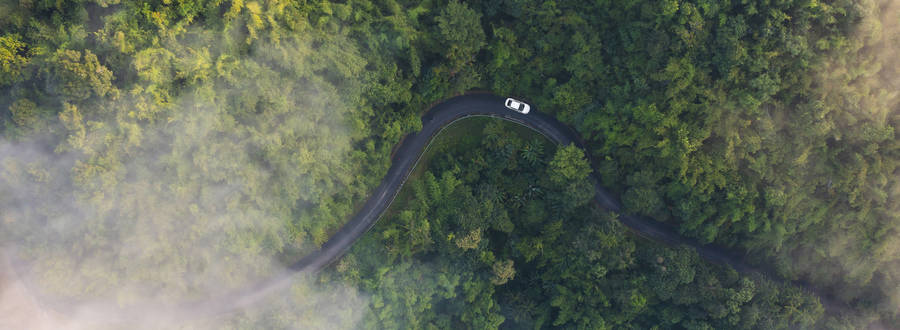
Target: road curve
[{"x": 404, "y": 160}]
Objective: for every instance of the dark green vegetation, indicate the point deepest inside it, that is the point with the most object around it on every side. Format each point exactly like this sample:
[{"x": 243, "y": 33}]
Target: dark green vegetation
[
  {"x": 164, "y": 145},
  {"x": 499, "y": 230}
]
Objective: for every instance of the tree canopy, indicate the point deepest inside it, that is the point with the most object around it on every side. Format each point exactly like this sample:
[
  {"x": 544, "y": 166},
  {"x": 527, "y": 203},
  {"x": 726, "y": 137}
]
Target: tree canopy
[{"x": 149, "y": 148}]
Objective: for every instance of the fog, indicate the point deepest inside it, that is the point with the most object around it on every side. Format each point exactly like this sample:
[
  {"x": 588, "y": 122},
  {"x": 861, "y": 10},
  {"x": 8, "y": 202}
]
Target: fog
[
  {"x": 859, "y": 258},
  {"x": 154, "y": 207},
  {"x": 152, "y": 213}
]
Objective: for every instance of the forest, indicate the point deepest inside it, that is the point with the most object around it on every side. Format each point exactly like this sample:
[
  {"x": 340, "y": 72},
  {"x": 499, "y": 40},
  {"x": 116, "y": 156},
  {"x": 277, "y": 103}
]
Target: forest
[{"x": 172, "y": 149}]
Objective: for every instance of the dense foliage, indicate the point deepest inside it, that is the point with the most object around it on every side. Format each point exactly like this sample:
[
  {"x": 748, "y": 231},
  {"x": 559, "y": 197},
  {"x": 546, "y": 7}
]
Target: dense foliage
[
  {"x": 499, "y": 231},
  {"x": 165, "y": 145},
  {"x": 767, "y": 126}
]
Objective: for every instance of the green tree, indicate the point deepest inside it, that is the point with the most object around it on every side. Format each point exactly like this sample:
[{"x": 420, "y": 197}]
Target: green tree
[
  {"x": 13, "y": 59},
  {"x": 24, "y": 112},
  {"x": 461, "y": 34},
  {"x": 568, "y": 165},
  {"x": 79, "y": 75},
  {"x": 503, "y": 272}
]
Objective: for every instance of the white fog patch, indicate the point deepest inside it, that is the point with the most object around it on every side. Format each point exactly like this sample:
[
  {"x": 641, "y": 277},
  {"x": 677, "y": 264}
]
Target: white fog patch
[
  {"x": 195, "y": 204},
  {"x": 864, "y": 82}
]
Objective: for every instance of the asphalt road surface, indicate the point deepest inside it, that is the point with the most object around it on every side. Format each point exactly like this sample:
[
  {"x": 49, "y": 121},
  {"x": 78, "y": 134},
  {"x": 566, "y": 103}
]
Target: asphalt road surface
[
  {"x": 413, "y": 147},
  {"x": 405, "y": 158}
]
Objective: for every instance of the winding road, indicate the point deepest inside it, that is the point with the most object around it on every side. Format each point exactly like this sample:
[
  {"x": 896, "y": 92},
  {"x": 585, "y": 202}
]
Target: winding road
[
  {"x": 414, "y": 145},
  {"x": 405, "y": 158}
]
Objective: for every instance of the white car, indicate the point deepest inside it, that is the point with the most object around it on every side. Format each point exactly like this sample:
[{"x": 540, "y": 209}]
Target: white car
[{"x": 517, "y": 106}]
